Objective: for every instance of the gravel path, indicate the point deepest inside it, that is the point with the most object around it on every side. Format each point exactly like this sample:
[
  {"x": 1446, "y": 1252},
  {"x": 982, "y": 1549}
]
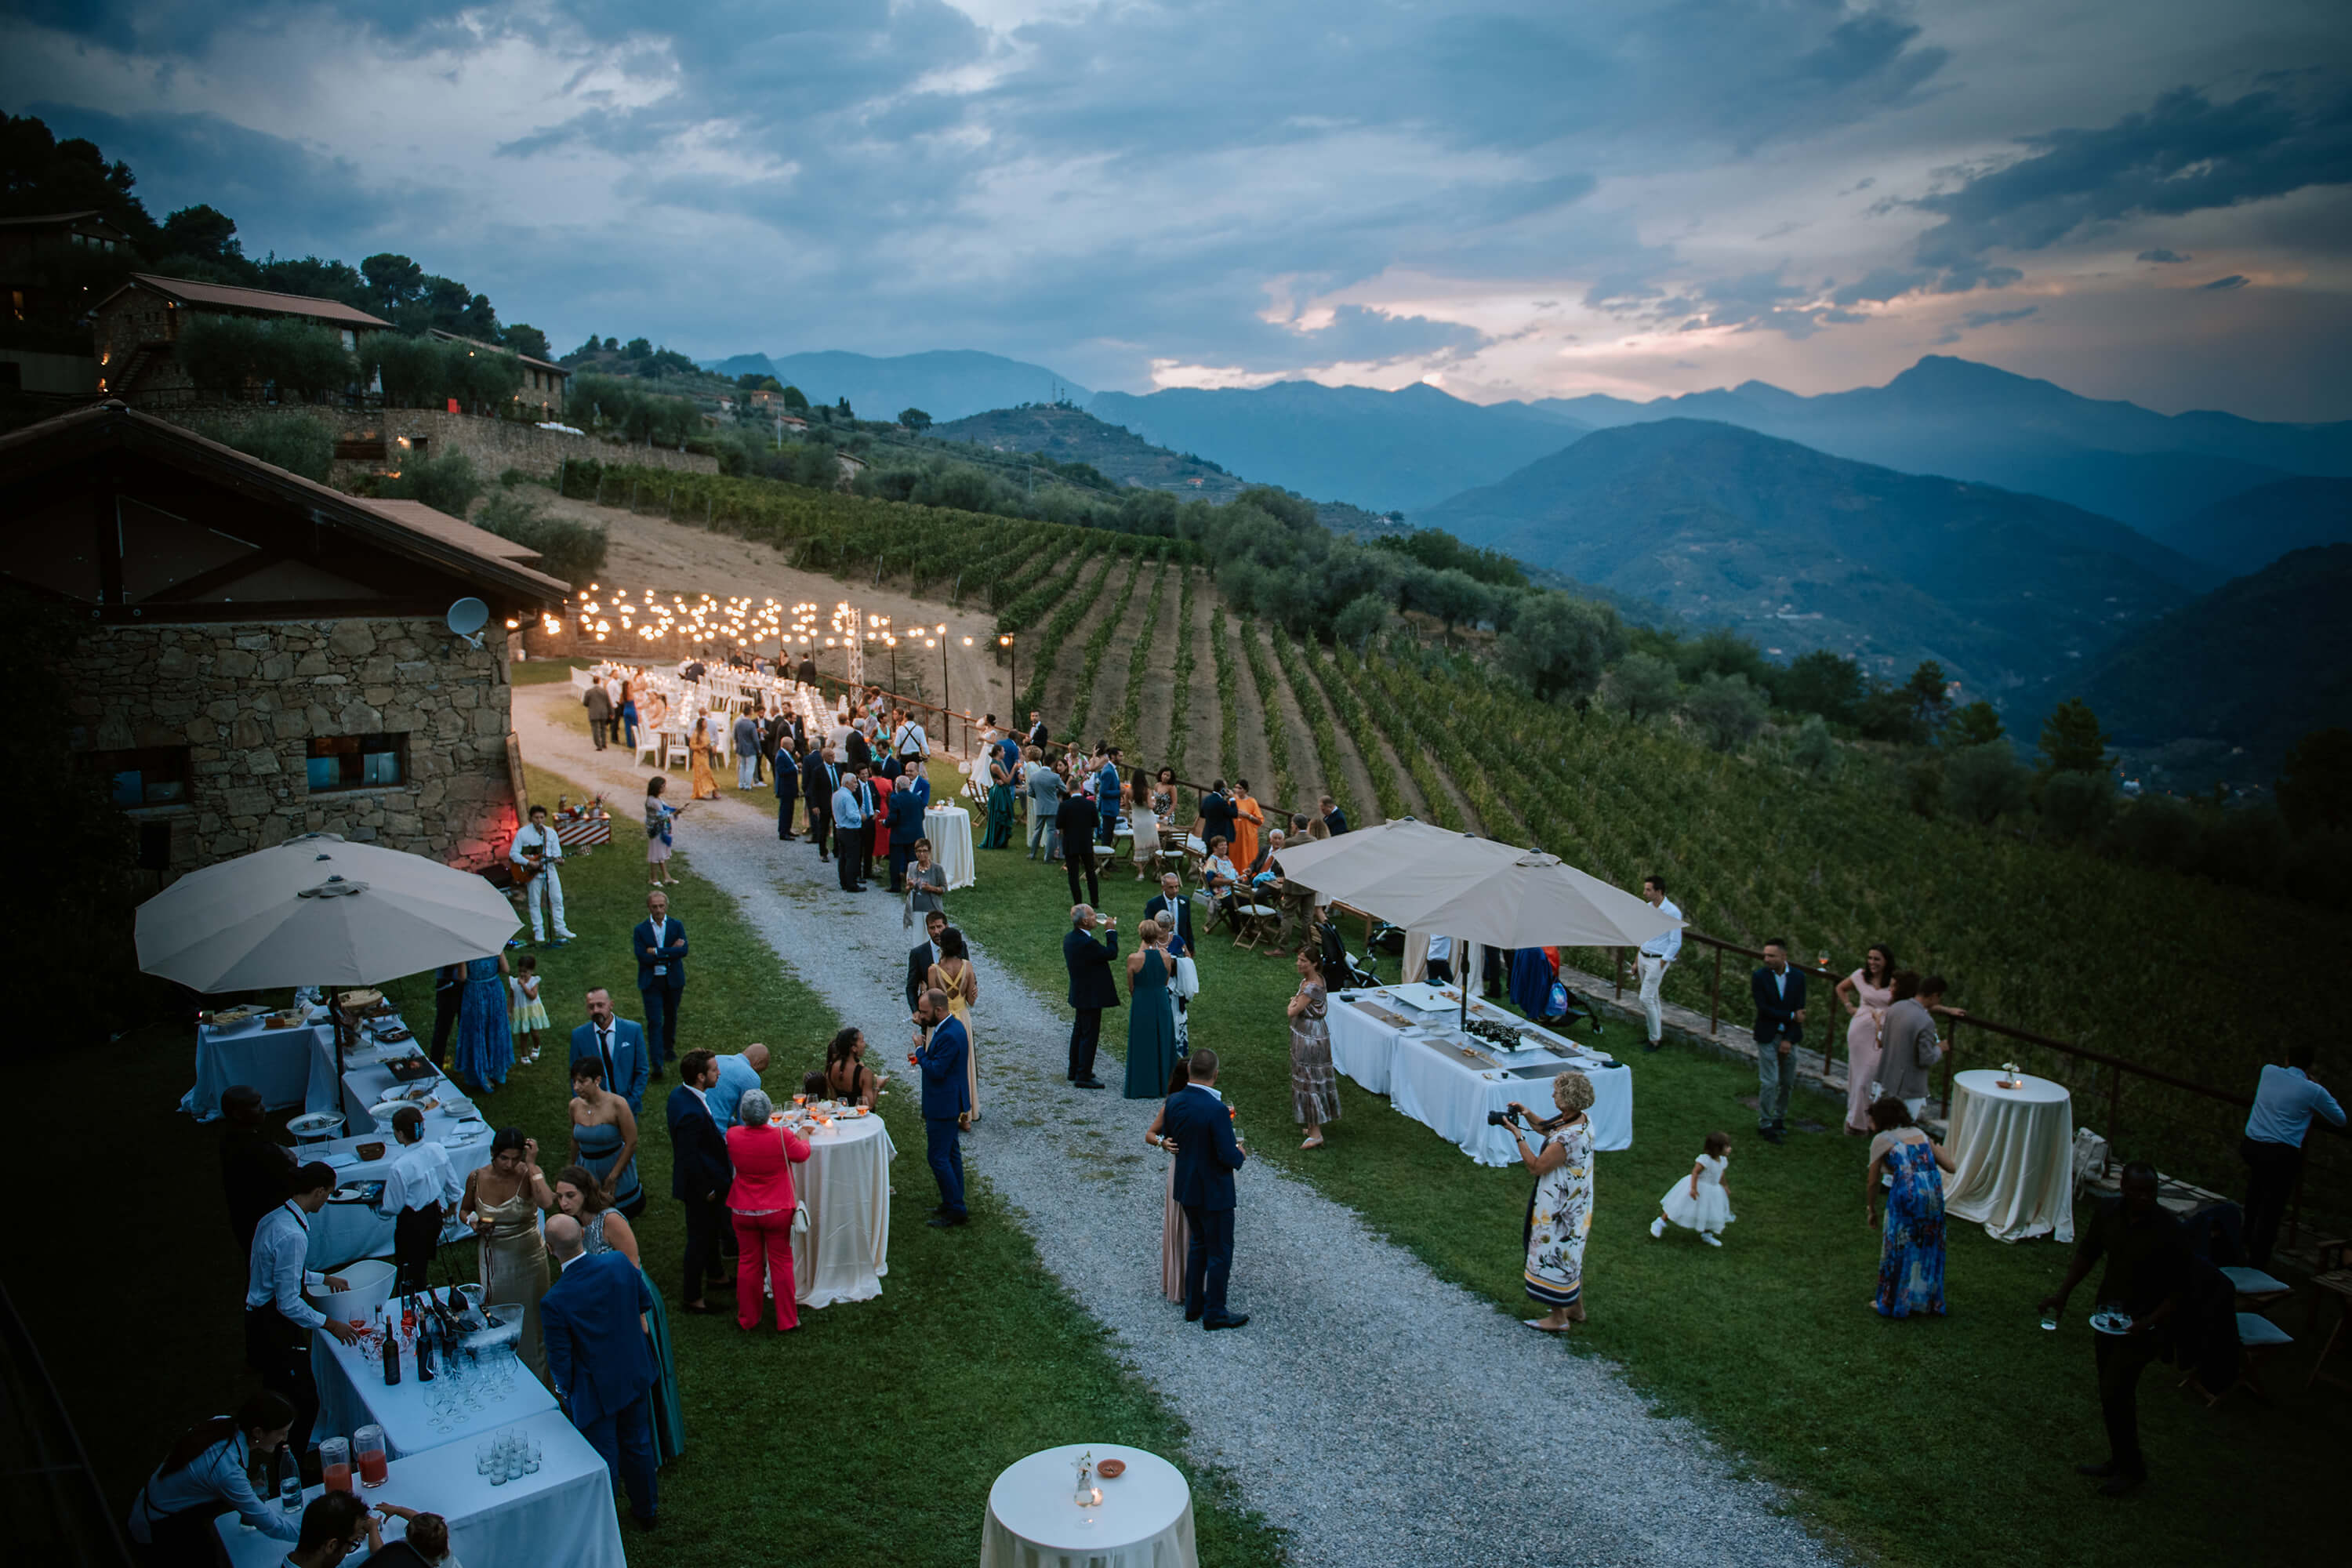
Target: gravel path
[{"x": 1378, "y": 1414}]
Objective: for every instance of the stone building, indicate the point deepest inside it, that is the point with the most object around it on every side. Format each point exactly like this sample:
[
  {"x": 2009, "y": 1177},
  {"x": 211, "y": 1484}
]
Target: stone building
[
  {"x": 53, "y": 267},
  {"x": 136, "y": 328},
  {"x": 264, "y": 655},
  {"x": 544, "y": 382}
]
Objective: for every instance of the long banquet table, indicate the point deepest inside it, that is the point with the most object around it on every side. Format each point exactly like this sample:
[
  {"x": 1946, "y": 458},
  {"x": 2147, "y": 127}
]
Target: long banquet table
[
  {"x": 278, "y": 1062},
  {"x": 352, "y": 1395},
  {"x": 345, "y": 1231},
  {"x": 1416, "y": 1056}
]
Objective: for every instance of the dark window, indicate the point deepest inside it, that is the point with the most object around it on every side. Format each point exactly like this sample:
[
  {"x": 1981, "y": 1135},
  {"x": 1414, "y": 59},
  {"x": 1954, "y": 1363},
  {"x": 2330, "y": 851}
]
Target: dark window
[
  {"x": 358, "y": 762},
  {"x": 155, "y": 846},
  {"x": 154, "y": 776}
]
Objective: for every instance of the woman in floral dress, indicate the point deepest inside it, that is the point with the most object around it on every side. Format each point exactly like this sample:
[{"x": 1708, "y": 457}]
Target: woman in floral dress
[
  {"x": 1911, "y": 1250},
  {"x": 1559, "y": 1210}
]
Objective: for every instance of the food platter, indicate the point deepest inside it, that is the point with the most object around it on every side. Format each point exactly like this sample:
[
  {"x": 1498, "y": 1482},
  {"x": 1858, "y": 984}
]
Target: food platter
[{"x": 315, "y": 1124}]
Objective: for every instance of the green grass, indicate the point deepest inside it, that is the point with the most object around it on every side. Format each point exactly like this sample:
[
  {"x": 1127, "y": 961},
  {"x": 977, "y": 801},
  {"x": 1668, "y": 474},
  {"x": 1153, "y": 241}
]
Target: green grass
[
  {"x": 1948, "y": 1442},
  {"x": 871, "y": 1436},
  {"x": 543, "y": 671}
]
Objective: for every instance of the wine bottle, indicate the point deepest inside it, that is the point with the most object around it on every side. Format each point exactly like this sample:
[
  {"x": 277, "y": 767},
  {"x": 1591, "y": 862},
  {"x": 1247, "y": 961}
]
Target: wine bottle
[
  {"x": 425, "y": 1334},
  {"x": 390, "y": 1359}
]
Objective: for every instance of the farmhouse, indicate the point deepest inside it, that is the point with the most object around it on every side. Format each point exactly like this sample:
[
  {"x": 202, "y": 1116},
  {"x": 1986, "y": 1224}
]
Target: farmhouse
[
  {"x": 544, "y": 382},
  {"x": 137, "y": 326}
]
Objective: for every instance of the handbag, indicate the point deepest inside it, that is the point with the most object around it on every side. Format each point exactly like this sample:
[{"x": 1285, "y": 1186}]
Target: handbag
[{"x": 800, "y": 1220}]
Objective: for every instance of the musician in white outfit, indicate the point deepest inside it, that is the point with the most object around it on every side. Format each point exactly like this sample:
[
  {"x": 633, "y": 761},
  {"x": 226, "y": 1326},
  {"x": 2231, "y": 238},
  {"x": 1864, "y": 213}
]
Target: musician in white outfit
[
  {"x": 543, "y": 893},
  {"x": 1656, "y": 956}
]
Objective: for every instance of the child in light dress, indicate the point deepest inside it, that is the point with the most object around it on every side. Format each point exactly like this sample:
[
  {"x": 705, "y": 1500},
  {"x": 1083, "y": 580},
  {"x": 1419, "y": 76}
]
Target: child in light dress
[
  {"x": 524, "y": 1007},
  {"x": 1700, "y": 1201}
]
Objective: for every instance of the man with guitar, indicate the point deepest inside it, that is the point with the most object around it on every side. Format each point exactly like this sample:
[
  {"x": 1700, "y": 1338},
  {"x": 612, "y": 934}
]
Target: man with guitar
[{"x": 534, "y": 854}]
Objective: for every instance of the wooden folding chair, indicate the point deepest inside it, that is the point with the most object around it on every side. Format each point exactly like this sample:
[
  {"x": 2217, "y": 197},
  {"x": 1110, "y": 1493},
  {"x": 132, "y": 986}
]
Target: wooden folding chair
[{"x": 1254, "y": 924}]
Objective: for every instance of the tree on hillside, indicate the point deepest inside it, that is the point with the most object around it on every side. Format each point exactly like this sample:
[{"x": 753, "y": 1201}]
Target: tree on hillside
[
  {"x": 1359, "y": 620},
  {"x": 2073, "y": 742},
  {"x": 1816, "y": 748},
  {"x": 1642, "y": 686},
  {"x": 1985, "y": 781},
  {"x": 201, "y": 242},
  {"x": 1560, "y": 646},
  {"x": 638, "y": 348},
  {"x": 1930, "y": 696},
  {"x": 40, "y": 174},
  {"x": 392, "y": 281},
  {"x": 1975, "y": 725},
  {"x": 915, "y": 419},
  {"x": 2315, "y": 783},
  {"x": 1821, "y": 682},
  {"x": 1728, "y": 710},
  {"x": 526, "y": 339},
  {"x": 1453, "y": 596},
  {"x": 795, "y": 401}
]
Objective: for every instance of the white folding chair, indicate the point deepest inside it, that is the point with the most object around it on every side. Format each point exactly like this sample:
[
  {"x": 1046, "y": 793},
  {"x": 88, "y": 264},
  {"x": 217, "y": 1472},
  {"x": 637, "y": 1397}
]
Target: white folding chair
[
  {"x": 674, "y": 751},
  {"x": 648, "y": 748}
]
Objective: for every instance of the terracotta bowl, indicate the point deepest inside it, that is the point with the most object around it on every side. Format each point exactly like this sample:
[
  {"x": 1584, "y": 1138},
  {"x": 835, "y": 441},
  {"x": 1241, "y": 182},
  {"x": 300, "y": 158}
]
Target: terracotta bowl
[{"x": 1110, "y": 1470}]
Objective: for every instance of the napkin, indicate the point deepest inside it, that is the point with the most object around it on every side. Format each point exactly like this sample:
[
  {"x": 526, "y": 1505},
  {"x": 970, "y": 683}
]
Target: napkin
[{"x": 340, "y": 1159}]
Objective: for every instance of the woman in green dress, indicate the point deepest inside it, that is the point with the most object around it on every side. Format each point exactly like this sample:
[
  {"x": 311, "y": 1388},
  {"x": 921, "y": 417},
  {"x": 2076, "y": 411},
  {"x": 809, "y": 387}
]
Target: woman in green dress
[
  {"x": 1150, "y": 1014},
  {"x": 581, "y": 1195}
]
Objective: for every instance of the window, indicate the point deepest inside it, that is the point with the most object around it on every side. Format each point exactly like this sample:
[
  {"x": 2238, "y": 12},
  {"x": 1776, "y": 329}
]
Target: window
[
  {"x": 358, "y": 762},
  {"x": 154, "y": 776}
]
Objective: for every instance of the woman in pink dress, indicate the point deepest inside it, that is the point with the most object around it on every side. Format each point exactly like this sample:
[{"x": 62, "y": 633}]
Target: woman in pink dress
[
  {"x": 1175, "y": 1236},
  {"x": 1866, "y": 995}
]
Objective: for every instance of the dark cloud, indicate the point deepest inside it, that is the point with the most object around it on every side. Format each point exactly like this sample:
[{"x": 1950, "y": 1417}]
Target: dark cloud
[
  {"x": 2163, "y": 255},
  {"x": 1880, "y": 285},
  {"x": 2234, "y": 281},
  {"x": 1357, "y": 334}
]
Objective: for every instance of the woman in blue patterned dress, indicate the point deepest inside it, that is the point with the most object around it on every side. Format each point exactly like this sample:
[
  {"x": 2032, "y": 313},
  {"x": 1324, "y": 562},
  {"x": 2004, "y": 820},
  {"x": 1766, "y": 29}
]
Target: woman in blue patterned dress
[
  {"x": 485, "y": 1048},
  {"x": 1559, "y": 1210},
  {"x": 1911, "y": 1256}
]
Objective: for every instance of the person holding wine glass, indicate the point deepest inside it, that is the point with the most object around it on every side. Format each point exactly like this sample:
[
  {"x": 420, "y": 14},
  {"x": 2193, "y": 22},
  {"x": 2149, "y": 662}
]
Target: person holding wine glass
[{"x": 503, "y": 1201}]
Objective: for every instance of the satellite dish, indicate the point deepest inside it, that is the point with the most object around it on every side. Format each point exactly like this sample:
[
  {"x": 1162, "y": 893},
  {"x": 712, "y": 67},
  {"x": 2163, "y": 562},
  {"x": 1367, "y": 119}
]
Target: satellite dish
[{"x": 467, "y": 617}]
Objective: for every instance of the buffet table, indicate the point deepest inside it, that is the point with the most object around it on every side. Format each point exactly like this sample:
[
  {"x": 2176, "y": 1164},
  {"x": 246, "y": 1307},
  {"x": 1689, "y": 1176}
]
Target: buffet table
[
  {"x": 949, "y": 827},
  {"x": 1144, "y": 1521},
  {"x": 349, "y": 1228},
  {"x": 1385, "y": 1040},
  {"x": 352, "y": 1395},
  {"x": 562, "y": 1515},
  {"x": 2015, "y": 1152},
  {"x": 275, "y": 1061}
]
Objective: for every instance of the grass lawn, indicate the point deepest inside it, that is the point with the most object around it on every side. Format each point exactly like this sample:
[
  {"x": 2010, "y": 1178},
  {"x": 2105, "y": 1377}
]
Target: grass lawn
[
  {"x": 871, "y": 1436},
  {"x": 543, "y": 671},
  {"x": 1945, "y": 1442}
]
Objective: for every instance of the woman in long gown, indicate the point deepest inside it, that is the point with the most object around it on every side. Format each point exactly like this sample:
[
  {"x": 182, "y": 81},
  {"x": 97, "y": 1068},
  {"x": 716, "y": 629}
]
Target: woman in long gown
[
  {"x": 1175, "y": 1235},
  {"x": 1150, "y": 1015},
  {"x": 604, "y": 1137},
  {"x": 627, "y": 715},
  {"x": 1000, "y": 801},
  {"x": 954, "y": 974},
  {"x": 485, "y": 1041},
  {"x": 503, "y": 1201},
  {"x": 1911, "y": 1246},
  {"x": 698, "y": 753},
  {"x": 1559, "y": 1210},
  {"x": 1145, "y": 826},
  {"x": 926, "y": 885},
  {"x": 1866, "y": 995},
  {"x": 606, "y": 1229},
  {"x": 1247, "y": 819},
  {"x": 1314, "y": 1082}
]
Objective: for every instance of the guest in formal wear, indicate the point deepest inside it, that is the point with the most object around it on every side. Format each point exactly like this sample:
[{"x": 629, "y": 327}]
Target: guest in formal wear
[
  {"x": 448, "y": 998},
  {"x": 1078, "y": 820},
  {"x": 2285, "y": 1100},
  {"x": 602, "y": 1367},
  {"x": 923, "y": 956},
  {"x": 599, "y": 703},
  {"x": 255, "y": 1167},
  {"x": 1702, "y": 1199},
  {"x": 927, "y": 885},
  {"x": 502, "y": 1203},
  {"x": 1866, "y": 995},
  {"x": 745, "y": 735},
  {"x": 661, "y": 819},
  {"x": 1175, "y": 1237},
  {"x": 1208, "y": 1151},
  {"x": 1908, "y": 1166},
  {"x": 1249, "y": 821},
  {"x": 1908, "y": 1047},
  {"x": 938, "y": 1056},
  {"x": 1559, "y": 1210},
  {"x": 1295, "y": 901},
  {"x": 850, "y": 834},
  {"x": 626, "y": 715},
  {"x": 999, "y": 800},
  {"x": 700, "y": 748},
  {"x": 537, "y": 855},
  {"x": 420, "y": 1191},
  {"x": 1173, "y": 911},
  {"x": 1043, "y": 788},
  {"x": 1335, "y": 821},
  {"x": 660, "y": 943},
  {"x": 819, "y": 779},
  {"x": 1088, "y": 958},
  {"x": 602, "y": 1228},
  {"x": 1778, "y": 992},
  {"x": 761, "y": 1201},
  {"x": 1220, "y": 879},
  {"x": 848, "y": 1079},
  {"x": 616, "y": 1043},
  {"x": 216, "y": 1466},
  {"x": 787, "y": 786},
  {"x": 485, "y": 1039},
  {"x": 1314, "y": 1081},
  {"x": 1656, "y": 956},
  {"x": 604, "y": 1137},
  {"x": 2147, "y": 1282},
  {"x": 699, "y": 1175},
  {"x": 1152, "y": 1050},
  {"x": 738, "y": 1075},
  {"x": 954, "y": 977},
  {"x": 276, "y": 1319}
]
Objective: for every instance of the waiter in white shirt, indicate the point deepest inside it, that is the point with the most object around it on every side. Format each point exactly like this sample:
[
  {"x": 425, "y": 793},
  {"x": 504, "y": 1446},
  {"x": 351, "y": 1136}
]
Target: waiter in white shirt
[
  {"x": 1656, "y": 956},
  {"x": 536, "y": 846},
  {"x": 420, "y": 1191},
  {"x": 275, "y": 1316}
]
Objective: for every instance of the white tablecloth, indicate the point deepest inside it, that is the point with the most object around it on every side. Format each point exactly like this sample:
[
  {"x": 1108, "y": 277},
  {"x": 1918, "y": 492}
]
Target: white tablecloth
[
  {"x": 949, "y": 827},
  {"x": 2015, "y": 1150},
  {"x": 564, "y": 1514},
  {"x": 275, "y": 1061},
  {"x": 352, "y": 1395},
  {"x": 845, "y": 1185},
  {"x": 1427, "y": 1079},
  {"x": 1145, "y": 1519},
  {"x": 343, "y": 1231}
]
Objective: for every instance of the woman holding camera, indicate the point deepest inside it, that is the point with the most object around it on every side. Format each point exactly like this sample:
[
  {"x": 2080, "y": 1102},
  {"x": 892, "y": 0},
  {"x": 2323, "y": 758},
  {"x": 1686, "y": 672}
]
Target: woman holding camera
[{"x": 1559, "y": 1210}]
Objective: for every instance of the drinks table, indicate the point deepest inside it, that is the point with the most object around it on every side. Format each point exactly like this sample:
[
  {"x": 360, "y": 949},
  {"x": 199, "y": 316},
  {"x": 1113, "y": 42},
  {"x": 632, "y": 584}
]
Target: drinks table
[
  {"x": 2015, "y": 1152},
  {"x": 1144, "y": 1521}
]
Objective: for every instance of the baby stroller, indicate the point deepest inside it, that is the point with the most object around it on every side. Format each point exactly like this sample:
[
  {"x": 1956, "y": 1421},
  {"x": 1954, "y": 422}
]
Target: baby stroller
[{"x": 1341, "y": 971}]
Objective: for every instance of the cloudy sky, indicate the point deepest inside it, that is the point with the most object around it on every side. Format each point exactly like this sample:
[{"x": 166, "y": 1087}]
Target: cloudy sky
[{"x": 2148, "y": 199}]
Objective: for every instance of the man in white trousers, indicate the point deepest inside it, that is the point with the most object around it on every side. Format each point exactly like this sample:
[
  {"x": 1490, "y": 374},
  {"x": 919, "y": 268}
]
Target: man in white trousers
[
  {"x": 543, "y": 894},
  {"x": 1656, "y": 954}
]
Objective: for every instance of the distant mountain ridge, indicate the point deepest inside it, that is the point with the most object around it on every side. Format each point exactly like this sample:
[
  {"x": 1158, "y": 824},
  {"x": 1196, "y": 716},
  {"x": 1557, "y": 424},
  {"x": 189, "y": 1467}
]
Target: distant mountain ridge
[
  {"x": 2251, "y": 530},
  {"x": 1801, "y": 549},
  {"x": 946, "y": 383},
  {"x": 1073, "y": 436}
]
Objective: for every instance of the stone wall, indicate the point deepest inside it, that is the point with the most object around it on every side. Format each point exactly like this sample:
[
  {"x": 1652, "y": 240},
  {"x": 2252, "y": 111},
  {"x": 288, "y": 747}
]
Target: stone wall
[
  {"x": 494, "y": 444},
  {"x": 245, "y": 698}
]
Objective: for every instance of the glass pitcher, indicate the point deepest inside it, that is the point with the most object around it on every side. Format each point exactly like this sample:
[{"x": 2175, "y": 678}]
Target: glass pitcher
[
  {"x": 374, "y": 1462},
  {"x": 335, "y": 1463}
]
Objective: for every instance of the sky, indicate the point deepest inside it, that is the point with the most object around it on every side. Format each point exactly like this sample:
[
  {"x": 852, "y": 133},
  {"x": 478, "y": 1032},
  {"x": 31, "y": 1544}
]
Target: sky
[{"x": 2143, "y": 199}]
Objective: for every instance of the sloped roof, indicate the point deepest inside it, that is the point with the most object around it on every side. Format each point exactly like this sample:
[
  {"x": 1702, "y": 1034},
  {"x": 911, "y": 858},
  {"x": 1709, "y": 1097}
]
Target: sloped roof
[
  {"x": 262, "y": 301},
  {"x": 455, "y": 530},
  {"x": 449, "y": 337},
  {"x": 37, "y": 219}
]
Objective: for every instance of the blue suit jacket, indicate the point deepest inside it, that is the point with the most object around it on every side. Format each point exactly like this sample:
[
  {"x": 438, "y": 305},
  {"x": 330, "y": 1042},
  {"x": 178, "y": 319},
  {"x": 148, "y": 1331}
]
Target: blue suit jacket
[
  {"x": 946, "y": 1095},
  {"x": 596, "y": 1349},
  {"x": 628, "y": 1057},
  {"x": 673, "y": 957},
  {"x": 1776, "y": 1015},
  {"x": 788, "y": 776},
  {"x": 1207, "y": 1152},
  {"x": 698, "y": 1160},
  {"x": 906, "y": 804}
]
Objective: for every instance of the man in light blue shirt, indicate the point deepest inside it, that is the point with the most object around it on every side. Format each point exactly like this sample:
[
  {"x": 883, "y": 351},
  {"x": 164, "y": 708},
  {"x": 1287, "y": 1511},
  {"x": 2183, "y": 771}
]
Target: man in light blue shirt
[
  {"x": 2284, "y": 1102},
  {"x": 736, "y": 1076},
  {"x": 275, "y": 1316},
  {"x": 849, "y": 836},
  {"x": 1656, "y": 956}
]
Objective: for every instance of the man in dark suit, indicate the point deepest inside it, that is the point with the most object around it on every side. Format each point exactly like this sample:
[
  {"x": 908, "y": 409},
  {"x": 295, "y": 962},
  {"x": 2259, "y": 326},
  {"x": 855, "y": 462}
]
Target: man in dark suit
[
  {"x": 1037, "y": 736},
  {"x": 255, "y": 1167},
  {"x": 618, "y": 1044},
  {"x": 1093, "y": 987},
  {"x": 861, "y": 750},
  {"x": 940, "y": 1044},
  {"x": 1208, "y": 1152},
  {"x": 1779, "y": 991},
  {"x": 1334, "y": 818},
  {"x": 1079, "y": 820},
  {"x": 788, "y": 788},
  {"x": 908, "y": 802},
  {"x": 660, "y": 944},
  {"x": 926, "y": 952},
  {"x": 819, "y": 779},
  {"x": 448, "y": 995},
  {"x": 1171, "y": 907},
  {"x": 699, "y": 1174},
  {"x": 600, "y": 1360},
  {"x": 807, "y": 674},
  {"x": 599, "y": 703}
]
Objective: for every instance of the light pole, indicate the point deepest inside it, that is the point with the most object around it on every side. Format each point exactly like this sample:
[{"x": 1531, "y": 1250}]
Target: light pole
[{"x": 1005, "y": 642}]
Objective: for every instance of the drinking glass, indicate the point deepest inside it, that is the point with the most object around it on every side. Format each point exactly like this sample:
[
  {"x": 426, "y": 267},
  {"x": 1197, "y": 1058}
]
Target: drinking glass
[
  {"x": 531, "y": 1457},
  {"x": 482, "y": 1455}
]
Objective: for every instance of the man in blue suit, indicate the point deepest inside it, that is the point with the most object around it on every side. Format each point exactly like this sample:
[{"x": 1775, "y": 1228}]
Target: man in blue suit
[
  {"x": 599, "y": 1359},
  {"x": 615, "y": 1042},
  {"x": 907, "y": 804},
  {"x": 819, "y": 779},
  {"x": 1208, "y": 1152},
  {"x": 940, "y": 1045},
  {"x": 788, "y": 789},
  {"x": 1106, "y": 796},
  {"x": 699, "y": 1175},
  {"x": 660, "y": 943}
]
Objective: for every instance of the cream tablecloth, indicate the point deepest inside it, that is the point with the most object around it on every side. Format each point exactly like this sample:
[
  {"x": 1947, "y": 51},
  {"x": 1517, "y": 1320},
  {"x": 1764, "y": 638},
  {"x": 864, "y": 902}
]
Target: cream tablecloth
[
  {"x": 949, "y": 827},
  {"x": 1145, "y": 1519},
  {"x": 845, "y": 1185},
  {"x": 2014, "y": 1151}
]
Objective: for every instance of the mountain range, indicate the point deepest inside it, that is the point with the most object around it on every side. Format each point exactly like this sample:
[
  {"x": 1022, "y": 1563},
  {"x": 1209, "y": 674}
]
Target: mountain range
[
  {"x": 2249, "y": 529},
  {"x": 946, "y": 383}
]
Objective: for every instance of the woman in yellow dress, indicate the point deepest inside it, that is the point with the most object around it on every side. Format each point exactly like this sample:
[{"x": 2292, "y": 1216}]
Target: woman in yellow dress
[
  {"x": 698, "y": 753},
  {"x": 953, "y": 974}
]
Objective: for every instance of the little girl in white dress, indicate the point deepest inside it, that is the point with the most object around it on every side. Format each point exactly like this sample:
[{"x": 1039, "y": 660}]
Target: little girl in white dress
[{"x": 1700, "y": 1201}]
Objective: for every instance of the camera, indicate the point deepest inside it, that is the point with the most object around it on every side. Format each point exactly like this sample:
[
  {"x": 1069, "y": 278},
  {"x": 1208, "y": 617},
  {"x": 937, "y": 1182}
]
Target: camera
[{"x": 1501, "y": 1118}]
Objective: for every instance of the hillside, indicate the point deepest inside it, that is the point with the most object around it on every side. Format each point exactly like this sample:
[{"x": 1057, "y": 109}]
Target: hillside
[
  {"x": 1971, "y": 421},
  {"x": 946, "y": 383},
  {"x": 2248, "y": 530},
  {"x": 2248, "y": 669},
  {"x": 1382, "y": 451},
  {"x": 1802, "y": 551},
  {"x": 1068, "y": 434}
]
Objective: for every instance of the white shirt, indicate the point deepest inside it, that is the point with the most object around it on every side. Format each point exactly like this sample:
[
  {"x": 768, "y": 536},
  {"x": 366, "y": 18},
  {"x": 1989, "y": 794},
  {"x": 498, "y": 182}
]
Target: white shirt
[
  {"x": 1669, "y": 946},
  {"x": 1779, "y": 982},
  {"x": 421, "y": 1176},
  {"x": 704, "y": 1096},
  {"x": 1441, "y": 949},
  {"x": 530, "y": 836},
  {"x": 911, "y": 741},
  {"x": 281, "y": 1244}
]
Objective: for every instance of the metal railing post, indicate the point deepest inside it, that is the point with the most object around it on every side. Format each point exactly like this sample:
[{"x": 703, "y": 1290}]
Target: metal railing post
[
  {"x": 2115, "y": 1112},
  {"x": 1714, "y": 1010}
]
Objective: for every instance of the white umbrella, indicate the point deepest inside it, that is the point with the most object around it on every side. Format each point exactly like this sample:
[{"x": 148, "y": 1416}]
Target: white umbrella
[{"x": 316, "y": 911}]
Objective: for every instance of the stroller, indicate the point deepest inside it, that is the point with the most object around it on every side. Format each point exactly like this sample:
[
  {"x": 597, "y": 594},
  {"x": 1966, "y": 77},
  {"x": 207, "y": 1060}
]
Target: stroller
[{"x": 1341, "y": 971}]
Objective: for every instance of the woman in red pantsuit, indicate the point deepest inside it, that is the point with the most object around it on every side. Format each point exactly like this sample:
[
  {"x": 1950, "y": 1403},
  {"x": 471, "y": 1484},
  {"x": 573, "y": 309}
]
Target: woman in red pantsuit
[{"x": 763, "y": 1202}]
